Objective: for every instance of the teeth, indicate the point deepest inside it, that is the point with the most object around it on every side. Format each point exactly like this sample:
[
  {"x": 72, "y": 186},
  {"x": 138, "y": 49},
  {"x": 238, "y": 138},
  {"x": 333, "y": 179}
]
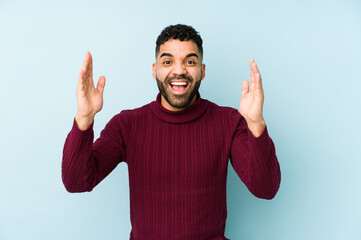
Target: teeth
[{"x": 179, "y": 83}]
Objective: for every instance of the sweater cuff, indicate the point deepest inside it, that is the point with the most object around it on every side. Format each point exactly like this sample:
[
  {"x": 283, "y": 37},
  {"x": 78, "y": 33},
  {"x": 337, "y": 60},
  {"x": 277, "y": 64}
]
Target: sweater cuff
[
  {"x": 261, "y": 140},
  {"x": 75, "y": 129}
]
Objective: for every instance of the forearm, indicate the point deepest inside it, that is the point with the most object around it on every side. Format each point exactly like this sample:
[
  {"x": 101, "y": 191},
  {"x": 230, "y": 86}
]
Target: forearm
[
  {"x": 264, "y": 174},
  {"x": 78, "y": 163},
  {"x": 85, "y": 164}
]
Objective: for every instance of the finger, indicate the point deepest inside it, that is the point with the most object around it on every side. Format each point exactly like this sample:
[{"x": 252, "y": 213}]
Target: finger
[
  {"x": 86, "y": 61},
  {"x": 253, "y": 84},
  {"x": 83, "y": 74},
  {"x": 251, "y": 69},
  {"x": 81, "y": 79},
  {"x": 258, "y": 78},
  {"x": 90, "y": 65},
  {"x": 245, "y": 87},
  {"x": 101, "y": 85},
  {"x": 255, "y": 67},
  {"x": 88, "y": 72}
]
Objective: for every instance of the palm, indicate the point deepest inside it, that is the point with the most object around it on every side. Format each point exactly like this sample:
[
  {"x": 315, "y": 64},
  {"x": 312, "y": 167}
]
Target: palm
[
  {"x": 251, "y": 103},
  {"x": 89, "y": 98}
]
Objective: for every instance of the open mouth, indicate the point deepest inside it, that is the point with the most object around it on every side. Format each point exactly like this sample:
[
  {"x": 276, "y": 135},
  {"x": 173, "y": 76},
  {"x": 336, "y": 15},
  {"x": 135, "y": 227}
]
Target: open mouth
[{"x": 179, "y": 87}]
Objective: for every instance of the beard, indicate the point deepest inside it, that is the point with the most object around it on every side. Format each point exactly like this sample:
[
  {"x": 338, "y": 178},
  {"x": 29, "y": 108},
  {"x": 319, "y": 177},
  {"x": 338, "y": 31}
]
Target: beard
[{"x": 178, "y": 100}]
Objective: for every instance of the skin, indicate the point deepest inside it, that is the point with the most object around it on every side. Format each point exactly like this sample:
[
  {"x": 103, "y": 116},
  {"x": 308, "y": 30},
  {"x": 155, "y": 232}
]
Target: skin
[
  {"x": 178, "y": 58},
  {"x": 175, "y": 59},
  {"x": 251, "y": 104},
  {"x": 89, "y": 98}
]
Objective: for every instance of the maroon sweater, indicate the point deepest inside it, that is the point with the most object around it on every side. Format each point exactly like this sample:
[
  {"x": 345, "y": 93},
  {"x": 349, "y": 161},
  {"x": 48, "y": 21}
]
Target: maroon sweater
[{"x": 177, "y": 164}]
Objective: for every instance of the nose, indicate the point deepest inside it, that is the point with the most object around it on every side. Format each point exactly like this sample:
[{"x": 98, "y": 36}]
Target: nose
[{"x": 179, "y": 69}]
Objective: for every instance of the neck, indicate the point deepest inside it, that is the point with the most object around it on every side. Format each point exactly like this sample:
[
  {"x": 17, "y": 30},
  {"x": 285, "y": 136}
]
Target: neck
[{"x": 169, "y": 107}]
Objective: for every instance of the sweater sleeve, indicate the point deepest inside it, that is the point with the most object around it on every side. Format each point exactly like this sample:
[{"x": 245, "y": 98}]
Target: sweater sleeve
[
  {"x": 254, "y": 160},
  {"x": 85, "y": 164}
]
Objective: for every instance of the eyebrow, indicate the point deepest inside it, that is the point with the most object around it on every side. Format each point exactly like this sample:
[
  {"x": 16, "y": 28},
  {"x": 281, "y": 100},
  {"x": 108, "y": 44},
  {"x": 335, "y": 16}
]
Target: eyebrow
[
  {"x": 165, "y": 54},
  {"x": 192, "y": 55}
]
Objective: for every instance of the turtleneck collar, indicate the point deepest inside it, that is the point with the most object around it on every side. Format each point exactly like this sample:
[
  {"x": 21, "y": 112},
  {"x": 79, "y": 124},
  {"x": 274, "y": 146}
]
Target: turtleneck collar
[{"x": 189, "y": 114}]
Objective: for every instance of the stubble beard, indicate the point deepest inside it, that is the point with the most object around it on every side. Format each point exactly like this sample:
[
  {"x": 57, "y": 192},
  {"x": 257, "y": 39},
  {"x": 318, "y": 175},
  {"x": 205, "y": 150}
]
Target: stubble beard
[{"x": 178, "y": 100}]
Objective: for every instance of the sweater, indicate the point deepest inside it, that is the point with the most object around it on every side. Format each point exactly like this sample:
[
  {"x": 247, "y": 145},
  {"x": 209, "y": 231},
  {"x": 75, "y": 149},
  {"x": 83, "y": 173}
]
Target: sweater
[{"x": 177, "y": 163}]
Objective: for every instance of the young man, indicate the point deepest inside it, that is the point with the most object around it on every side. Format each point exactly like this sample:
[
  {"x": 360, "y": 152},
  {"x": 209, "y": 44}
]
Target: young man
[{"x": 176, "y": 147}]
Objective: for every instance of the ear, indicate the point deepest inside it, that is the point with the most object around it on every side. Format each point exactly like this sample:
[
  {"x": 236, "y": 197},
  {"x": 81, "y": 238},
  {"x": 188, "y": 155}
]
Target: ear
[
  {"x": 154, "y": 66},
  {"x": 203, "y": 71}
]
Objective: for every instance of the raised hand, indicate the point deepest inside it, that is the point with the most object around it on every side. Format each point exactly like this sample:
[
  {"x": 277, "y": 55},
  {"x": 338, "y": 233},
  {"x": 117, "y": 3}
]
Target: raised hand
[
  {"x": 251, "y": 104},
  {"x": 89, "y": 98}
]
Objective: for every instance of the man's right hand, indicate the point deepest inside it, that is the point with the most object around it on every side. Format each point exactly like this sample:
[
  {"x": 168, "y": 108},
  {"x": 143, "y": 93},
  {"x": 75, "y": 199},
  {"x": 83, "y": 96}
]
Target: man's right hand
[{"x": 89, "y": 98}]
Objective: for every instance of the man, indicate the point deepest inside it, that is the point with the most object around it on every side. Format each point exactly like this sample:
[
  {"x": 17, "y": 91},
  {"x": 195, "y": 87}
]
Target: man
[{"x": 177, "y": 147}]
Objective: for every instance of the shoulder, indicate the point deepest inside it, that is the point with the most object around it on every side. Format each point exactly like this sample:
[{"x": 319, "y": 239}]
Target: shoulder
[
  {"x": 226, "y": 114},
  {"x": 125, "y": 120},
  {"x": 136, "y": 112},
  {"x": 127, "y": 116},
  {"x": 222, "y": 110}
]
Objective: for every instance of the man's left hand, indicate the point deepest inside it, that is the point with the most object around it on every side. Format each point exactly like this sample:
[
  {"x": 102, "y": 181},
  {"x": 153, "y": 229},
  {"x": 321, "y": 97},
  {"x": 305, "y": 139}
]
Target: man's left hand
[{"x": 251, "y": 103}]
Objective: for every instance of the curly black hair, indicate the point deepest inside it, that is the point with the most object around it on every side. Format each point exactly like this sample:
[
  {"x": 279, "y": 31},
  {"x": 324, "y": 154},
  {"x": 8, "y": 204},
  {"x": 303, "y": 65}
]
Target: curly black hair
[{"x": 181, "y": 32}]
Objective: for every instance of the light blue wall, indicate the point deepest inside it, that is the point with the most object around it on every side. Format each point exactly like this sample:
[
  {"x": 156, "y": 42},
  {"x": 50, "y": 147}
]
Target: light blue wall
[{"x": 309, "y": 54}]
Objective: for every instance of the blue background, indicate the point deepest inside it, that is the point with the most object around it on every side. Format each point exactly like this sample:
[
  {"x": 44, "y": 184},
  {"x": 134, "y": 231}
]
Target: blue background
[{"x": 309, "y": 54}]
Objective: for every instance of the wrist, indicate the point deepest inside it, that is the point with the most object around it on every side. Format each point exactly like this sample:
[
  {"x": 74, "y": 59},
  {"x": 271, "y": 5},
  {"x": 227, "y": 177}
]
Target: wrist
[
  {"x": 83, "y": 122},
  {"x": 257, "y": 127}
]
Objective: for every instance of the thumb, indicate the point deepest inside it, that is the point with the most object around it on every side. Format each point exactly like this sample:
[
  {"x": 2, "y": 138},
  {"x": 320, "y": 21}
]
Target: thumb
[
  {"x": 101, "y": 85},
  {"x": 245, "y": 87}
]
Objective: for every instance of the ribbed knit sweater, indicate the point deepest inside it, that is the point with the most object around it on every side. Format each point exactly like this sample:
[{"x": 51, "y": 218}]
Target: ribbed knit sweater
[{"x": 177, "y": 163}]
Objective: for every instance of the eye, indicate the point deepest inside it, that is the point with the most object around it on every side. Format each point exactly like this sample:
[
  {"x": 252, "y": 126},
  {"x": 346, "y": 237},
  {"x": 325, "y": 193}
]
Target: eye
[
  {"x": 190, "y": 62},
  {"x": 167, "y": 62}
]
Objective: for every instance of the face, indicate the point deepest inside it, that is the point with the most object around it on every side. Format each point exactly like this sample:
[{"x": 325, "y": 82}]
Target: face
[{"x": 179, "y": 72}]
